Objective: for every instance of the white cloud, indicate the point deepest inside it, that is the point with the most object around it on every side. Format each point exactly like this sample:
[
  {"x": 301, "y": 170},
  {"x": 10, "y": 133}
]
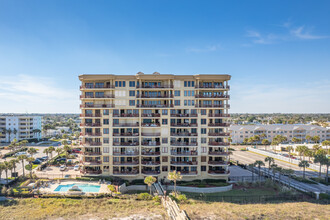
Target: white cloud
[
  {"x": 301, "y": 33},
  {"x": 205, "y": 49},
  {"x": 258, "y": 38}
]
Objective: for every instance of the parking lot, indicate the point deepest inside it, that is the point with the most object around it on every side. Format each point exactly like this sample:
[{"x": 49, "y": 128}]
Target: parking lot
[{"x": 53, "y": 172}]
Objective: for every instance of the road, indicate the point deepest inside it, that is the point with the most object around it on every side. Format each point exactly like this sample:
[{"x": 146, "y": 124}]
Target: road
[{"x": 247, "y": 157}]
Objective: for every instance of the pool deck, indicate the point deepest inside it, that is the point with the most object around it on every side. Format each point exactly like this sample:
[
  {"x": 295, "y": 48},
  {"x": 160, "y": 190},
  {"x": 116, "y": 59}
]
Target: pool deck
[{"x": 52, "y": 186}]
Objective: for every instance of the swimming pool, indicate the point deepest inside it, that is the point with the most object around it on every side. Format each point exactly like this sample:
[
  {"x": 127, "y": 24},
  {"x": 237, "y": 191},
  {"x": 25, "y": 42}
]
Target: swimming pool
[{"x": 84, "y": 187}]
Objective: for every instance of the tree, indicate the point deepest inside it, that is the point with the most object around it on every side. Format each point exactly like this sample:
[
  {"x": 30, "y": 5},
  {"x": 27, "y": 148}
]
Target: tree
[
  {"x": 30, "y": 166},
  {"x": 251, "y": 166},
  {"x": 59, "y": 151},
  {"x": 280, "y": 171},
  {"x": 316, "y": 139},
  {"x": 46, "y": 151},
  {"x": 15, "y": 132},
  {"x": 246, "y": 140},
  {"x": 149, "y": 180},
  {"x": 316, "y": 147},
  {"x": 289, "y": 172},
  {"x": 64, "y": 142},
  {"x": 32, "y": 151},
  {"x": 295, "y": 140},
  {"x": 274, "y": 166},
  {"x": 270, "y": 160},
  {"x": 326, "y": 143},
  {"x": 265, "y": 142},
  {"x": 302, "y": 149},
  {"x": 51, "y": 149},
  {"x": 309, "y": 153},
  {"x": 289, "y": 149},
  {"x": 174, "y": 176},
  {"x": 303, "y": 164},
  {"x": 22, "y": 158},
  {"x": 321, "y": 159},
  {"x": 6, "y": 166},
  {"x": 308, "y": 138},
  {"x": 256, "y": 139},
  {"x": 9, "y": 133},
  {"x": 2, "y": 168},
  {"x": 14, "y": 164},
  {"x": 259, "y": 163},
  {"x": 327, "y": 164}
]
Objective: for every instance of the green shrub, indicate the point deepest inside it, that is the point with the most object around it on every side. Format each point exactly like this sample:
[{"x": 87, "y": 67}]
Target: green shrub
[
  {"x": 112, "y": 188},
  {"x": 144, "y": 196},
  {"x": 157, "y": 199},
  {"x": 324, "y": 196}
]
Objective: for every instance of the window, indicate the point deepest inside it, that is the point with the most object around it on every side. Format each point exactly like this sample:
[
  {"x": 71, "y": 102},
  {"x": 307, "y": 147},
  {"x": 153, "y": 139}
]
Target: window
[
  {"x": 176, "y": 102},
  {"x": 106, "y": 140},
  {"x": 106, "y": 112},
  {"x": 203, "y": 168},
  {"x": 203, "y": 149},
  {"x": 164, "y": 121},
  {"x": 203, "y": 159},
  {"x": 185, "y": 102},
  {"x": 203, "y": 111},
  {"x": 131, "y": 93},
  {"x": 105, "y": 130},
  {"x": 185, "y": 93},
  {"x": 131, "y": 102},
  {"x": 120, "y": 84},
  {"x": 203, "y": 121},
  {"x": 203, "y": 140},
  {"x": 164, "y": 159},
  {"x": 106, "y": 149},
  {"x": 106, "y": 121},
  {"x": 106, "y": 159},
  {"x": 164, "y": 149},
  {"x": 164, "y": 112},
  {"x": 164, "y": 168},
  {"x": 189, "y": 83},
  {"x": 164, "y": 140},
  {"x": 131, "y": 83},
  {"x": 177, "y": 93},
  {"x": 203, "y": 130},
  {"x": 185, "y": 83}
]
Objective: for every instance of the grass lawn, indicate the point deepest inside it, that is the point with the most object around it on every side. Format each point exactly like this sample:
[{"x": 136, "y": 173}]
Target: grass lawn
[
  {"x": 219, "y": 210},
  {"x": 80, "y": 209}
]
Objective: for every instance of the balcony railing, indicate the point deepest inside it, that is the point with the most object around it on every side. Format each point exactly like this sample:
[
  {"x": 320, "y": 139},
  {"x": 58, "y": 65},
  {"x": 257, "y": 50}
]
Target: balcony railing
[
  {"x": 90, "y": 125},
  {"x": 126, "y": 115},
  {"x": 98, "y": 87},
  {"x": 215, "y": 143},
  {"x": 91, "y": 134},
  {"x": 150, "y": 124},
  {"x": 126, "y": 163},
  {"x": 154, "y": 106},
  {"x": 184, "y": 124},
  {"x": 92, "y": 171},
  {"x": 91, "y": 153},
  {"x": 151, "y": 172},
  {"x": 126, "y": 173},
  {"x": 126, "y": 134},
  {"x": 184, "y": 163},
  {"x": 97, "y": 106},
  {"x": 212, "y": 96},
  {"x": 155, "y": 86},
  {"x": 92, "y": 162},
  {"x": 219, "y": 124},
  {"x": 211, "y": 87},
  {"x": 151, "y": 143},
  {"x": 188, "y": 153},
  {"x": 184, "y": 115},
  {"x": 184, "y": 143},
  {"x": 87, "y": 143},
  {"x": 154, "y": 96},
  {"x": 187, "y": 173},
  {"x": 131, "y": 153},
  {"x": 218, "y": 153},
  {"x": 126, "y": 125},
  {"x": 151, "y": 115},
  {"x": 151, "y": 163},
  {"x": 146, "y": 153},
  {"x": 97, "y": 96},
  {"x": 125, "y": 143},
  {"x": 218, "y": 134},
  {"x": 214, "y": 162},
  {"x": 218, "y": 172},
  {"x": 90, "y": 115},
  {"x": 219, "y": 115},
  {"x": 212, "y": 105},
  {"x": 183, "y": 134},
  {"x": 150, "y": 134}
]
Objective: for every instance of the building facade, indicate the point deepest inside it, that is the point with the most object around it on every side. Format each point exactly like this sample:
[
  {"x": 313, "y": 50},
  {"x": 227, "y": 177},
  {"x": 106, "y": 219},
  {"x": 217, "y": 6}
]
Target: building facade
[
  {"x": 151, "y": 124},
  {"x": 300, "y": 131},
  {"x": 21, "y": 127}
]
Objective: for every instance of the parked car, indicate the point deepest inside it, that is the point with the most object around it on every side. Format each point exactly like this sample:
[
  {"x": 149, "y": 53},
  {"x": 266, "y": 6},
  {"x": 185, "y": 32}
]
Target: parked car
[
  {"x": 20, "y": 153},
  {"x": 37, "y": 162},
  {"x": 77, "y": 151},
  {"x": 45, "y": 158},
  {"x": 62, "y": 168},
  {"x": 41, "y": 159},
  {"x": 61, "y": 159},
  {"x": 76, "y": 167}
]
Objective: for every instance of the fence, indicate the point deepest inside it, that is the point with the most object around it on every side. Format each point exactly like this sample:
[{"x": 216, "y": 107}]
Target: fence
[
  {"x": 250, "y": 179},
  {"x": 287, "y": 159}
]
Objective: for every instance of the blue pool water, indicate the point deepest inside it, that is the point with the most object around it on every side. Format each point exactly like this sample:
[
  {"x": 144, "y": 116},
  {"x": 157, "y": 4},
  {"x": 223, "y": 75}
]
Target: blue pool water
[{"x": 83, "y": 187}]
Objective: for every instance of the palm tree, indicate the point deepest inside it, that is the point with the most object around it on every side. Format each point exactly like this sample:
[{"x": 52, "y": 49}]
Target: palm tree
[
  {"x": 46, "y": 151},
  {"x": 316, "y": 139},
  {"x": 32, "y": 151},
  {"x": 280, "y": 171},
  {"x": 273, "y": 166},
  {"x": 309, "y": 153},
  {"x": 14, "y": 163},
  {"x": 259, "y": 163},
  {"x": 295, "y": 140},
  {"x": 289, "y": 172},
  {"x": 6, "y": 166},
  {"x": 302, "y": 149},
  {"x": 30, "y": 161},
  {"x": 256, "y": 139},
  {"x": 270, "y": 160},
  {"x": 15, "y": 132},
  {"x": 303, "y": 164},
  {"x": 308, "y": 138},
  {"x": 51, "y": 149},
  {"x": 22, "y": 158},
  {"x": 321, "y": 159},
  {"x": 59, "y": 151},
  {"x": 149, "y": 180},
  {"x": 326, "y": 143},
  {"x": 251, "y": 166},
  {"x": 289, "y": 149},
  {"x": 2, "y": 168},
  {"x": 9, "y": 133},
  {"x": 174, "y": 176},
  {"x": 265, "y": 142},
  {"x": 316, "y": 147}
]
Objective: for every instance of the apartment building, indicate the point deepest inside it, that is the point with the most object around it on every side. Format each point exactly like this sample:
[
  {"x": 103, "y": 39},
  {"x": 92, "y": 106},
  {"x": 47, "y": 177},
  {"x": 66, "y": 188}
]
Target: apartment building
[
  {"x": 300, "y": 131},
  {"x": 19, "y": 126},
  {"x": 151, "y": 124}
]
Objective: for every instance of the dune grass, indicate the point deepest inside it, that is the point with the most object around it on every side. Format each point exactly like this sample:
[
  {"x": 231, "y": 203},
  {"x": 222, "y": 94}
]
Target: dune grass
[{"x": 79, "y": 209}]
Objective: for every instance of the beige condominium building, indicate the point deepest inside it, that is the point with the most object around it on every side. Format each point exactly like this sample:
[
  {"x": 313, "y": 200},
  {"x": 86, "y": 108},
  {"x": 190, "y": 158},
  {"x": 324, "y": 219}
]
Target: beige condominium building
[{"x": 150, "y": 124}]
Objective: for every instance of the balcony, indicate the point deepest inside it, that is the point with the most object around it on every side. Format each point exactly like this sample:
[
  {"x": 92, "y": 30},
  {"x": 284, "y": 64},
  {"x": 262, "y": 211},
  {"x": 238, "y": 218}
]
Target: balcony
[
  {"x": 184, "y": 124},
  {"x": 126, "y": 163},
  {"x": 125, "y": 134},
  {"x": 150, "y": 153},
  {"x": 150, "y": 134},
  {"x": 218, "y": 134},
  {"x": 90, "y": 115},
  {"x": 212, "y": 105},
  {"x": 92, "y": 163},
  {"x": 154, "y": 96},
  {"x": 218, "y": 124},
  {"x": 211, "y": 87},
  {"x": 212, "y": 96},
  {"x": 91, "y": 134},
  {"x": 150, "y": 163},
  {"x": 151, "y": 143},
  {"x": 215, "y": 143},
  {"x": 188, "y": 153},
  {"x": 218, "y": 153},
  {"x": 151, "y": 172},
  {"x": 184, "y": 115},
  {"x": 98, "y": 87},
  {"x": 152, "y": 115},
  {"x": 90, "y": 125},
  {"x": 130, "y": 153},
  {"x": 151, "y": 124},
  {"x": 126, "y": 115},
  {"x": 126, "y": 125},
  {"x": 219, "y": 115},
  {"x": 87, "y": 153},
  {"x": 97, "y": 106},
  {"x": 218, "y": 172},
  {"x": 97, "y": 97},
  {"x": 126, "y": 173},
  {"x": 93, "y": 171},
  {"x": 125, "y": 143},
  {"x": 183, "y": 134},
  {"x": 188, "y": 173},
  {"x": 154, "y": 86},
  {"x": 183, "y": 143},
  {"x": 184, "y": 163},
  {"x": 214, "y": 162},
  {"x": 88, "y": 143},
  {"x": 154, "y": 106}
]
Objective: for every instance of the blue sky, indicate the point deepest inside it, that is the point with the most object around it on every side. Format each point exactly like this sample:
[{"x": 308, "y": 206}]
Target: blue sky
[{"x": 278, "y": 52}]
